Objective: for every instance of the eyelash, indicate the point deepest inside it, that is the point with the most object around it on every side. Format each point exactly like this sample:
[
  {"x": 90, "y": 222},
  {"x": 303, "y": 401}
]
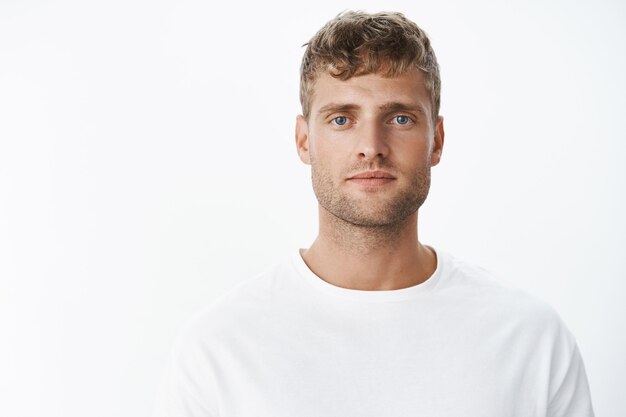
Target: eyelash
[
  {"x": 334, "y": 120},
  {"x": 410, "y": 120}
]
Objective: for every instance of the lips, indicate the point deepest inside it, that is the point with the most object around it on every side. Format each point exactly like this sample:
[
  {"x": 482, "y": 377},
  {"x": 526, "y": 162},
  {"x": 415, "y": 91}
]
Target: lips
[
  {"x": 372, "y": 180},
  {"x": 372, "y": 175}
]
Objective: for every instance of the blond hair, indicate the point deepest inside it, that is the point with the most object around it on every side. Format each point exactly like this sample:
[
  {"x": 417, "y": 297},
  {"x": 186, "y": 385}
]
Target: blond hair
[{"x": 357, "y": 43}]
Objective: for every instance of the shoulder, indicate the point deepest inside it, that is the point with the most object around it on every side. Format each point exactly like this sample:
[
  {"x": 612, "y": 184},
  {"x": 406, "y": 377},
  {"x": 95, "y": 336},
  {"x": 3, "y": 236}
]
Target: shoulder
[
  {"x": 528, "y": 328},
  {"x": 251, "y": 299},
  {"x": 496, "y": 299}
]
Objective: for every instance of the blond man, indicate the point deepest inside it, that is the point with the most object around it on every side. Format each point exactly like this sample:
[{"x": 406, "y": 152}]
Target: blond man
[{"x": 368, "y": 321}]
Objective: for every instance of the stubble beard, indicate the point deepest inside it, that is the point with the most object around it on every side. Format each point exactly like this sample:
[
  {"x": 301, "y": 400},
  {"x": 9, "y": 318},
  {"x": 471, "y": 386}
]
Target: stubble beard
[{"x": 382, "y": 215}]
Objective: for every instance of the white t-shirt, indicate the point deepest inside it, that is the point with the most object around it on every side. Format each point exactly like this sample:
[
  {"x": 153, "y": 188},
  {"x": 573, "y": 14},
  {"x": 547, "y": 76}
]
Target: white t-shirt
[{"x": 289, "y": 344}]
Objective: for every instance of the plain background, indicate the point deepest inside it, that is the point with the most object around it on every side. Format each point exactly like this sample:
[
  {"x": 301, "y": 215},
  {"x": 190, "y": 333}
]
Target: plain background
[{"x": 148, "y": 164}]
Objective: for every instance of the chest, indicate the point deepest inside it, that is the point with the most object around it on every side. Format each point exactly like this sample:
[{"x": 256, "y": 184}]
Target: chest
[{"x": 377, "y": 369}]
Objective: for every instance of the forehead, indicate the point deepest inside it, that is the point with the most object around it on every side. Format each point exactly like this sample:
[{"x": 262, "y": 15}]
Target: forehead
[{"x": 373, "y": 90}]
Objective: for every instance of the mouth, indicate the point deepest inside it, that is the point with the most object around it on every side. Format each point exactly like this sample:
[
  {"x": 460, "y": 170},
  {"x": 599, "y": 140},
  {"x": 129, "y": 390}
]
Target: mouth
[{"x": 371, "y": 179}]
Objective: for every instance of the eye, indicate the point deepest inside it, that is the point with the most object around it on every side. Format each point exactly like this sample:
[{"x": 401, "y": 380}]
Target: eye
[
  {"x": 340, "y": 120},
  {"x": 402, "y": 119}
]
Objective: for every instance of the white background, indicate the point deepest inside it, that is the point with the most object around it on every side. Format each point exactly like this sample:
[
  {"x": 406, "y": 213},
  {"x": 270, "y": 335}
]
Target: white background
[{"x": 147, "y": 165}]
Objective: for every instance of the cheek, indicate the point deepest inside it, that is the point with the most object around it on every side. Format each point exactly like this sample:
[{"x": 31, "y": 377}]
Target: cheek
[
  {"x": 415, "y": 153},
  {"x": 324, "y": 154},
  {"x": 320, "y": 165},
  {"x": 326, "y": 172}
]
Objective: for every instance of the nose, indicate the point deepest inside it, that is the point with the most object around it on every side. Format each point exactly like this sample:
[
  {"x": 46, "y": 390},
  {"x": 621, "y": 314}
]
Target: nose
[{"x": 372, "y": 142}]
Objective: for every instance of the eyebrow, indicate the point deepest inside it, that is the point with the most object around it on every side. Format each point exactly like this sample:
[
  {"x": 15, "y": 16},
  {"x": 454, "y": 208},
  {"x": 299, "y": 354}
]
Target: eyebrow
[
  {"x": 391, "y": 106},
  {"x": 398, "y": 106},
  {"x": 338, "y": 107}
]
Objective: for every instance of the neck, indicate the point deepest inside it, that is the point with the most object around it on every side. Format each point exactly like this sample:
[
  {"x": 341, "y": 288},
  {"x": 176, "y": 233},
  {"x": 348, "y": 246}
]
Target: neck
[{"x": 369, "y": 258}]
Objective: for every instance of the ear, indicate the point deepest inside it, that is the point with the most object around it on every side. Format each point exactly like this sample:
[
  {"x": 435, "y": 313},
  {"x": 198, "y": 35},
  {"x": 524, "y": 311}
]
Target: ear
[
  {"x": 435, "y": 155},
  {"x": 302, "y": 139}
]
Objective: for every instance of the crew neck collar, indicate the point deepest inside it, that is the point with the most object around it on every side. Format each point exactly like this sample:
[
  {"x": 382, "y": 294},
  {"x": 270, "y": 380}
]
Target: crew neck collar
[{"x": 369, "y": 295}]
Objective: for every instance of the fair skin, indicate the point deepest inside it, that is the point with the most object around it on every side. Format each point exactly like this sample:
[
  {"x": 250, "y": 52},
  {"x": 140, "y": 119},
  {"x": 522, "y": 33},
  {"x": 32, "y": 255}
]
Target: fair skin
[{"x": 371, "y": 141}]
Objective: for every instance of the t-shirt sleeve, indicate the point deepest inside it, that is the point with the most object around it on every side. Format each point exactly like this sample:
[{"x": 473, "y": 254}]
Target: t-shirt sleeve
[
  {"x": 186, "y": 385},
  {"x": 569, "y": 394}
]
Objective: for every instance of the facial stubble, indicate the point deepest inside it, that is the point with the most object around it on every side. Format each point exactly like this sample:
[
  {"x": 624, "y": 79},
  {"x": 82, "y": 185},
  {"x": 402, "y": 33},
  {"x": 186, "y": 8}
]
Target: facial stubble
[{"x": 379, "y": 214}]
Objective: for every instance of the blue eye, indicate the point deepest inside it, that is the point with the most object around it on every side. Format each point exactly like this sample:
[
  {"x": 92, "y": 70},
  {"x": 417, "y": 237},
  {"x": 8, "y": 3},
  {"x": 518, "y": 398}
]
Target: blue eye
[
  {"x": 402, "y": 120},
  {"x": 340, "y": 120}
]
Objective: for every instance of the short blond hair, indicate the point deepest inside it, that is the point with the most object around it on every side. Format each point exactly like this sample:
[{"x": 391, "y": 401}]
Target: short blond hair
[{"x": 357, "y": 43}]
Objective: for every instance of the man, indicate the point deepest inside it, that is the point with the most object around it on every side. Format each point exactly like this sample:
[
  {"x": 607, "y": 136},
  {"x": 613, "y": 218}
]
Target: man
[{"x": 368, "y": 321}]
